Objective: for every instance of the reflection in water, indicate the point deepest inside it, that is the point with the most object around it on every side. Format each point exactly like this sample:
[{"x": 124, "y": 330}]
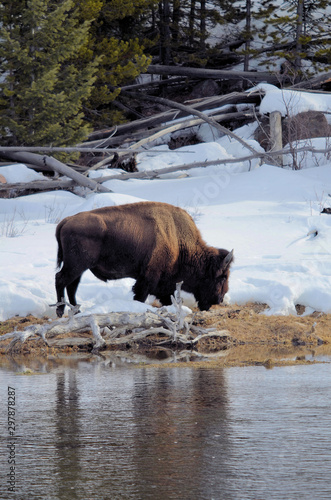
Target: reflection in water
[
  {"x": 67, "y": 438},
  {"x": 184, "y": 412},
  {"x": 91, "y": 431}
]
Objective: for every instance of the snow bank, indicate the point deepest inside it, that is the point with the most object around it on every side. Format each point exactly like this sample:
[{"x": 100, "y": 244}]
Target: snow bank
[
  {"x": 291, "y": 102},
  {"x": 270, "y": 216}
]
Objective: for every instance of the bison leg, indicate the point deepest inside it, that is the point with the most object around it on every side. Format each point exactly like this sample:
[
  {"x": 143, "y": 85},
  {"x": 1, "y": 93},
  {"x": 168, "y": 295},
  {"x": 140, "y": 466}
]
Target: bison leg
[
  {"x": 65, "y": 279},
  {"x": 71, "y": 291},
  {"x": 140, "y": 290},
  {"x": 165, "y": 299},
  {"x": 60, "y": 286},
  {"x": 143, "y": 287}
]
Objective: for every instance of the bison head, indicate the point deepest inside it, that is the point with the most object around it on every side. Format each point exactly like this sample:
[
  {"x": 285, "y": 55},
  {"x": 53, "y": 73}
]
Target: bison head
[{"x": 215, "y": 283}]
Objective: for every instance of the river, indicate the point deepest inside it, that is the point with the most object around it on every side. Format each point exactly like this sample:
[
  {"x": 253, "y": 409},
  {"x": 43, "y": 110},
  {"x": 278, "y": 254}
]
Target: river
[{"x": 87, "y": 429}]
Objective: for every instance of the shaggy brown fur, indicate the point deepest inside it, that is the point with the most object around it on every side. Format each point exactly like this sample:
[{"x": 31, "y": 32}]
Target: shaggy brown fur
[{"x": 157, "y": 244}]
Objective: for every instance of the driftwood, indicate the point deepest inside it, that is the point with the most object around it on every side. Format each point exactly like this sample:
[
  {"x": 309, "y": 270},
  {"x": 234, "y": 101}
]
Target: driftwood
[{"x": 115, "y": 329}]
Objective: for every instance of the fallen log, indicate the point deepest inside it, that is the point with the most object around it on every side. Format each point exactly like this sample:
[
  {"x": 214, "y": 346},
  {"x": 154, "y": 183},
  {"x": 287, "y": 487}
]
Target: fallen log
[
  {"x": 111, "y": 330},
  {"x": 189, "y": 124},
  {"x": 313, "y": 83},
  {"x": 154, "y": 83},
  {"x": 110, "y": 136},
  {"x": 116, "y": 135},
  {"x": 190, "y": 110},
  {"x": 15, "y": 189},
  {"x": 46, "y": 149},
  {"x": 56, "y": 166},
  {"x": 150, "y": 174},
  {"x": 185, "y": 124},
  {"x": 215, "y": 74}
]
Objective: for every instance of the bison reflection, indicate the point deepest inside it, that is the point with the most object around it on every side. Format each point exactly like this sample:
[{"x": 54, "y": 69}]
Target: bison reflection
[{"x": 155, "y": 243}]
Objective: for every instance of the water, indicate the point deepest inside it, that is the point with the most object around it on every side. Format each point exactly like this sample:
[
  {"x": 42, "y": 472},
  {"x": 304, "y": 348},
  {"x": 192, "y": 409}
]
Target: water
[{"x": 86, "y": 430}]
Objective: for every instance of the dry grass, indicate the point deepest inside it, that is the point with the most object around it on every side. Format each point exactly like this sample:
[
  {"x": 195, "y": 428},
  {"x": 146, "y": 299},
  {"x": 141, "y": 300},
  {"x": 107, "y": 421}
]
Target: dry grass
[
  {"x": 247, "y": 324},
  {"x": 254, "y": 337}
]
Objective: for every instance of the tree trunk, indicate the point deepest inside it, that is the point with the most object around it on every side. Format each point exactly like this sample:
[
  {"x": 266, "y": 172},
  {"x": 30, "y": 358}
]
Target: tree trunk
[
  {"x": 203, "y": 34},
  {"x": 176, "y": 15},
  {"x": 299, "y": 31},
  {"x": 248, "y": 34},
  {"x": 192, "y": 22},
  {"x": 164, "y": 12}
]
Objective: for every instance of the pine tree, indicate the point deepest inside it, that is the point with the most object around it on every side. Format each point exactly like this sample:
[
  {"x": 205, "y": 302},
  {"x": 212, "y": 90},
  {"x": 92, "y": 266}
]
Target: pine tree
[
  {"x": 298, "y": 32},
  {"x": 43, "y": 81},
  {"x": 117, "y": 37}
]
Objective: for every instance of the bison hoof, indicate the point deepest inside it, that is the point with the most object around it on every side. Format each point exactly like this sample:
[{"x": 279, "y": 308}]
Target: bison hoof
[{"x": 60, "y": 311}]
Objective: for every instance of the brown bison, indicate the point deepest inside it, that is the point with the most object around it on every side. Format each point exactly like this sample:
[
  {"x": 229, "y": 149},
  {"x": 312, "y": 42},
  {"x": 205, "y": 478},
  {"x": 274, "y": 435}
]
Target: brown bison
[{"x": 157, "y": 244}]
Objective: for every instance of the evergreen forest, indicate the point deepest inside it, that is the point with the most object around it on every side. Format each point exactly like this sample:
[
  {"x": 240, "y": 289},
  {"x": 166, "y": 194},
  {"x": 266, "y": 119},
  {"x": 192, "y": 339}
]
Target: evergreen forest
[{"x": 65, "y": 64}]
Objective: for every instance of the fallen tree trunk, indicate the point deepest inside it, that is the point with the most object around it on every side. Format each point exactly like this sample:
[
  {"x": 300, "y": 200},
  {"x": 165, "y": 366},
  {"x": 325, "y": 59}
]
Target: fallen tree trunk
[
  {"x": 190, "y": 110},
  {"x": 215, "y": 74},
  {"x": 154, "y": 83},
  {"x": 150, "y": 174},
  {"x": 193, "y": 122},
  {"x": 44, "y": 185},
  {"x": 56, "y": 166},
  {"x": 33, "y": 149},
  {"x": 316, "y": 81},
  {"x": 116, "y": 135}
]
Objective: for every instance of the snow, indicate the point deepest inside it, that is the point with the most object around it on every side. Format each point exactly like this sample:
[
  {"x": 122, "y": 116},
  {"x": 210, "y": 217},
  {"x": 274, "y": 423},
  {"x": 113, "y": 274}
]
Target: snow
[
  {"x": 20, "y": 172},
  {"x": 270, "y": 216},
  {"x": 291, "y": 102}
]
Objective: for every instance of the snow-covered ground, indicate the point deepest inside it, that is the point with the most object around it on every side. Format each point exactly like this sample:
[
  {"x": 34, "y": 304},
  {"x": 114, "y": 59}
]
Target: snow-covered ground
[{"x": 269, "y": 215}]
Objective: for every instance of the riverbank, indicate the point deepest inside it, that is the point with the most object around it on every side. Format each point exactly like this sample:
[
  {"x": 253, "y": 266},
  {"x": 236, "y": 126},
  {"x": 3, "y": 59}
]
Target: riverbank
[{"x": 249, "y": 336}]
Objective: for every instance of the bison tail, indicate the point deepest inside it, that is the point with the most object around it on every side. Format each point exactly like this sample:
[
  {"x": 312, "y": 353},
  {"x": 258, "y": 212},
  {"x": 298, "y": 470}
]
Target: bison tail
[
  {"x": 59, "y": 256},
  {"x": 60, "y": 249}
]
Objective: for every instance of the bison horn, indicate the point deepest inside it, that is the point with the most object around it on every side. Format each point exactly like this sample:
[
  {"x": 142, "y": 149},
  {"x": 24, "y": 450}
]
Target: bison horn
[{"x": 228, "y": 259}]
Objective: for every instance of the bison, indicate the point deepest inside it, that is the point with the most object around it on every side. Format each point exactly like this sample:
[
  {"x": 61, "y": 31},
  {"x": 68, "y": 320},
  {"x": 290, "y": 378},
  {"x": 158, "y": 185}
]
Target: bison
[{"x": 157, "y": 244}]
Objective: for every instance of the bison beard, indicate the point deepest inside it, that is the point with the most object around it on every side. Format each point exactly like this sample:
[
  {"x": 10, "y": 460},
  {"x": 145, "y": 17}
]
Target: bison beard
[{"x": 157, "y": 244}]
